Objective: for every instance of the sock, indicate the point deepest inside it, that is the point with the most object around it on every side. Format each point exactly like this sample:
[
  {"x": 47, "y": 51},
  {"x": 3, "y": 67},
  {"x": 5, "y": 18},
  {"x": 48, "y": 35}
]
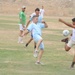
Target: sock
[
  {"x": 26, "y": 44},
  {"x": 34, "y": 46},
  {"x": 19, "y": 39},
  {"x": 72, "y": 65}
]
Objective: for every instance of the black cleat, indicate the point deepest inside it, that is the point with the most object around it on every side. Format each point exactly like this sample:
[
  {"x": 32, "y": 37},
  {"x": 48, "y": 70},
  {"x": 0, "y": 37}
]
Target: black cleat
[
  {"x": 26, "y": 45},
  {"x": 65, "y": 40}
]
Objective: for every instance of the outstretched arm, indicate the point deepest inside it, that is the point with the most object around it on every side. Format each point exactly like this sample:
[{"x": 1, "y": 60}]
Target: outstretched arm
[
  {"x": 46, "y": 26},
  {"x": 28, "y": 23},
  {"x": 70, "y": 25},
  {"x": 25, "y": 32}
]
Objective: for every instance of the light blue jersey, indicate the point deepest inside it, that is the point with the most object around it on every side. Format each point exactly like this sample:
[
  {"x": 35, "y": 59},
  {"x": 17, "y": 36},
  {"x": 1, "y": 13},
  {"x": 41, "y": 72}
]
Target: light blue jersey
[
  {"x": 36, "y": 32},
  {"x": 36, "y": 28},
  {"x": 39, "y": 21}
]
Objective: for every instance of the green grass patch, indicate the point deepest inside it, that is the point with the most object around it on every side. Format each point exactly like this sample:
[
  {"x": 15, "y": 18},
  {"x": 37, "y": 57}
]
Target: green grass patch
[{"x": 15, "y": 59}]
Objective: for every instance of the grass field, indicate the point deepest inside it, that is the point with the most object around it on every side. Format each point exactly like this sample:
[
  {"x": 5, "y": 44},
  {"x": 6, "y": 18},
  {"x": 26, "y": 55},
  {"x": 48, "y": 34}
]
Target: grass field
[{"x": 17, "y": 60}]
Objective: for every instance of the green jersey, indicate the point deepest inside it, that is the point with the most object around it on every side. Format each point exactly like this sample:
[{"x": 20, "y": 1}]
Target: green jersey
[{"x": 22, "y": 17}]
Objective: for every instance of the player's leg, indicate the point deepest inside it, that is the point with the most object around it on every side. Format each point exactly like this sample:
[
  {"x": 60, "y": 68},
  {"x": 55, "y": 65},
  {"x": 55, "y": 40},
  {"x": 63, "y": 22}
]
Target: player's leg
[
  {"x": 65, "y": 40},
  {"x": 39, "y": 57},
  {"x": 34, "y": 45},
  {"x": 20, "y": 39},
  {"x": 28, "y": 42},
  {"x": 37, "y": 47},
  {"x": 71, "y": 43},
  {"x": 38, "y": 44},
  {"x": 73, "y": 62},
  {"x": 68, "y": 47},
  {"x": 38, "y": 39},
  {"x": 40, "y": 54}
]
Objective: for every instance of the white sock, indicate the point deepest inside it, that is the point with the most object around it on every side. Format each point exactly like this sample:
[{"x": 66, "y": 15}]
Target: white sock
[
  {"x": 20, "y": 39},
  {"x": 36, "y": 50},
  {"x": 38, "y": 61}
]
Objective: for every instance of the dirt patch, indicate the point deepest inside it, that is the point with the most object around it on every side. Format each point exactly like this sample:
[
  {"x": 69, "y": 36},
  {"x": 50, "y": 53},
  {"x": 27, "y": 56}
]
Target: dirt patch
[{"x": 52, "y": 8}]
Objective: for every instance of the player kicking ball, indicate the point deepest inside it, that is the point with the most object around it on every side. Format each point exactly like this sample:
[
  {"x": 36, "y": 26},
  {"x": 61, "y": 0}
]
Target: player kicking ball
[
  {"x": 71, "y": 42},
  {"x": 36, "y": 33},
  {"x": 37, "y": 12}
]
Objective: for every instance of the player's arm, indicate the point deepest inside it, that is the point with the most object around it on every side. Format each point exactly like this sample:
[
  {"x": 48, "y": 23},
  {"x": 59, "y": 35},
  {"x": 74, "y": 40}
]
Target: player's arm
[
  {"x": 70, "y": 25},
  {"x": 46, "y": 26},
  {"x": 28, "y": 23},
  {"x": 29, "y": 29},
  {"x": 25, "y": 32}
]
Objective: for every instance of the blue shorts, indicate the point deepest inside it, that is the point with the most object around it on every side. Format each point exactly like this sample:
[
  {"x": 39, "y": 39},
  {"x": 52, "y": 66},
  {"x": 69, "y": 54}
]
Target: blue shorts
[{"x": 36, "y": 39}]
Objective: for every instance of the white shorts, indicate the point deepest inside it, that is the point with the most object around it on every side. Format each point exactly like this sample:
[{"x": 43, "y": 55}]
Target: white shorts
[
  {"x": 21, "y": 27},
  {"x": 71, "y": 43}
]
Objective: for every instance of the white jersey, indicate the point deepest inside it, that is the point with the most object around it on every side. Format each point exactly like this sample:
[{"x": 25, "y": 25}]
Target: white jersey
[
  {"x": 32, "y": 14},
  {"x": 42, "y": 12},
  {"x": 73, "y": 35}
]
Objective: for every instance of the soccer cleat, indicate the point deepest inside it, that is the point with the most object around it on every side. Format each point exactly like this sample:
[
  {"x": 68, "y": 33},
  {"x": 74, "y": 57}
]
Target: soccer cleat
[
  {"x": 65, "y": 40},
  {"x": 26, "y": 45},
  {"x": 39, "y": 63},
  {"x": 35, "y": 53},
  {"x": 34, "y": 46}
]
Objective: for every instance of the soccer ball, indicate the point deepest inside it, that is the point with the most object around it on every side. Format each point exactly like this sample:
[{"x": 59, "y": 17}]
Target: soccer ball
[{"x": 66, "y": 32}]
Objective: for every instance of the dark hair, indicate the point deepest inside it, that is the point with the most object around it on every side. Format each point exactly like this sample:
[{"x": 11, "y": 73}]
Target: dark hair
[
  {"x": 37, "y": 9},
  {"x": 73, "y": 20}
]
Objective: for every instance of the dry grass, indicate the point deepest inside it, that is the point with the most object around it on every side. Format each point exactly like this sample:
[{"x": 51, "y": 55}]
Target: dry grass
[{"x": 52, "y": 8}]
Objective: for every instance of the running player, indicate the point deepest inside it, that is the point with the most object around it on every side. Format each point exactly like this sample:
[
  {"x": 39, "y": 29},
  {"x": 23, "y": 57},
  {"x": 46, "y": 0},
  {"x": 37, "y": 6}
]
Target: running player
[
  {"x": 42, "y": 11},
  {"x": 71, "y": 42},
  {"x": 37, "y": 12},
  {"x": 35, "y": 29}
]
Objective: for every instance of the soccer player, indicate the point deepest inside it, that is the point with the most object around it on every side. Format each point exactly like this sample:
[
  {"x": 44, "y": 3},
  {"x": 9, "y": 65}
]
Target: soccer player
[
  {"x": 37, "y": 12},
  {"x": 32, "y": 14},
  {"x": 42, "y": 11},
  {"x": 71, "y": 42},
  {"x": 22, "y": 23},
  {"x": 35, "y": 29}
]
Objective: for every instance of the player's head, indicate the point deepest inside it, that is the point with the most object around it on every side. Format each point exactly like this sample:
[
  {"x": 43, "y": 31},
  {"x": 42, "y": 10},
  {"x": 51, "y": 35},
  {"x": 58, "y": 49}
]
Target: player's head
[
  {"x": 37, "y": 11},
  {"x": 42, "y": 7},
  {"x": 73, "y": 20},
  {"x": 35, "y": 19},
  {"x": 23, "y": 8}
]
